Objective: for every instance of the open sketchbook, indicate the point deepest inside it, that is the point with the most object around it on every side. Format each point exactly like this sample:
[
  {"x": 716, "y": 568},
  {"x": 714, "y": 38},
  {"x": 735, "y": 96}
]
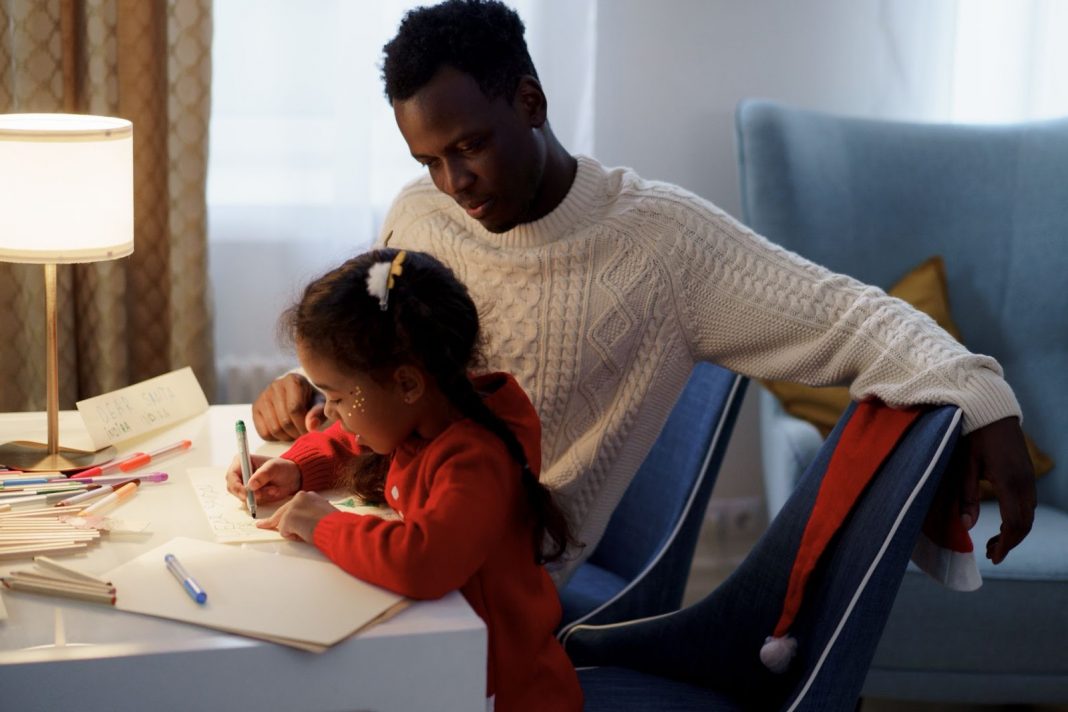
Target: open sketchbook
[
  {"x": 305, "y": 603},
  {"x": 228, "y": 516}
]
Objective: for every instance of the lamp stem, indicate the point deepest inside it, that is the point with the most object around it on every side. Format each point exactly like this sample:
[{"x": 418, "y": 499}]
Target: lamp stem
[
  {"x": 52, "y": 357},
  {"x": 51, "y": 456}
]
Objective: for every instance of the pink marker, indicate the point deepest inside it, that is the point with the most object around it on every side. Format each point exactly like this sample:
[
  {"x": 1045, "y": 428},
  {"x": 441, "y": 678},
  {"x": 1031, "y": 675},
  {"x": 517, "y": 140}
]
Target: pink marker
[
  {"x": 112, "y": 479},
  {"x": 138, "y": 459}
]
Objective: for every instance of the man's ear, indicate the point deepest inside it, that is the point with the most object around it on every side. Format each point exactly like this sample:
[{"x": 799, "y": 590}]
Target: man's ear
[
  {"x": 530, "y": 99},
  {"x": 410, "y": 382}
]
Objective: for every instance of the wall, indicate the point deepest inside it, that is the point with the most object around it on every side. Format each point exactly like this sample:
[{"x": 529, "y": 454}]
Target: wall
[{"x": 670, "y": 73}]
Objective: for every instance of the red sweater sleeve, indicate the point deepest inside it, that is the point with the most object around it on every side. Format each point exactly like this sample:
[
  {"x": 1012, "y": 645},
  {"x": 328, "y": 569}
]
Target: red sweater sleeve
[
  {"x": 443, "y": 539},
  {"x": 319, "y": 454}
]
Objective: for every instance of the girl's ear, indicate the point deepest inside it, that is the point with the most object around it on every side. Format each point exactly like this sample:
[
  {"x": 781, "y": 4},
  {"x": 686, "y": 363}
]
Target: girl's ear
[{"x": 410, "y": 382}]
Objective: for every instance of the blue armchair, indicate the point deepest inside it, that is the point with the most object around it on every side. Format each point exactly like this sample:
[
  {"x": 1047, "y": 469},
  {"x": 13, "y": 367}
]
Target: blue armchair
[
  {"x": 707, "y": 656},
  {"x": 873, "y": 199},
  {"x": 642, "y": 562}
]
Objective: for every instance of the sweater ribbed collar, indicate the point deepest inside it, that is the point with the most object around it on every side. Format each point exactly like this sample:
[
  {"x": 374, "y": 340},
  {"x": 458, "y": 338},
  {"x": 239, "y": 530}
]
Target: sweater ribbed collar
[{"x": 575, "y": 211}]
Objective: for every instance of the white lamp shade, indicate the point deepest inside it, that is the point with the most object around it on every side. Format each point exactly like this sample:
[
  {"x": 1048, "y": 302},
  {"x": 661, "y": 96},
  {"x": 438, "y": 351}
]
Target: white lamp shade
[{"x": 66, "y": 188}]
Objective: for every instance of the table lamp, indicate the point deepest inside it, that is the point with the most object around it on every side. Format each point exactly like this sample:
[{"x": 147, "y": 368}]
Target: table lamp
[{"x": 66, "y": 196}]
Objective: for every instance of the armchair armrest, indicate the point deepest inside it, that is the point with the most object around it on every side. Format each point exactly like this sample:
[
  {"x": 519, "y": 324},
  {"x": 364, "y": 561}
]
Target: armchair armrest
[{"x": 787, "y": 446}]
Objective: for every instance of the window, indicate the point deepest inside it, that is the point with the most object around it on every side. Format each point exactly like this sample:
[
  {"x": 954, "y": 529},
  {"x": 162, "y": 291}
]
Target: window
[
  {"x": 305, "y": 156},
  {"x": 304, "y": 160}
]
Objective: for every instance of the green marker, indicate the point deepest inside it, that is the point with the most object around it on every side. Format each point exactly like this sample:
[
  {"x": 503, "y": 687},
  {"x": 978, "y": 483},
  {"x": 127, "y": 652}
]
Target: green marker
[{"x": 246, "y": 466}]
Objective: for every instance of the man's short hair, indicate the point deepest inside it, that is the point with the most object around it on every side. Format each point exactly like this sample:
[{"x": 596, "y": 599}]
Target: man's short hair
[{"x": 481, "y": 38}]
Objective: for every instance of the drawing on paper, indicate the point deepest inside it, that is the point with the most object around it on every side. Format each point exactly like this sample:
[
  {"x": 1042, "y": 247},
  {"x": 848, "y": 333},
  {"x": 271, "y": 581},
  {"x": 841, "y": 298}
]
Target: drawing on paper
[
  {"x": 227, "y": 515},
  {"x": 229, "y": 519}
]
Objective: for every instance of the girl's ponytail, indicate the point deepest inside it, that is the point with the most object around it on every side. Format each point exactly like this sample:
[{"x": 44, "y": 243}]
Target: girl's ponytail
[{"x": 551, "y": 535}]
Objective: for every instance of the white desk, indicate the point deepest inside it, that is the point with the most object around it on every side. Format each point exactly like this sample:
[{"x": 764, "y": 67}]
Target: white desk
[{"x": 58, "y": 655}]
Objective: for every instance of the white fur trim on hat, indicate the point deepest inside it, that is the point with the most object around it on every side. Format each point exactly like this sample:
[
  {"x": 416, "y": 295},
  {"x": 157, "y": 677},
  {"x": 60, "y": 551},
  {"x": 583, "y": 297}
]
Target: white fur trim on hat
[{"x": 776, "y": 653}]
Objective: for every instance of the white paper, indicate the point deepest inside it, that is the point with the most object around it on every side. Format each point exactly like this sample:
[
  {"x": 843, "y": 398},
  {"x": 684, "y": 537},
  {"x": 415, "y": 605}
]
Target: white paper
[
  {"x": 142, "y": 407},
  {"x": 251, "y": 592},
  {"x": 229, "y": 518}
]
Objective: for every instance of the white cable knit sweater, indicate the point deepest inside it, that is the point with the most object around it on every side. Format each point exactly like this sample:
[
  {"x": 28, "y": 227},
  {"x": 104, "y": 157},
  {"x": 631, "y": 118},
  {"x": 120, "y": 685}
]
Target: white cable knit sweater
[{"x": 601, "y": 308}]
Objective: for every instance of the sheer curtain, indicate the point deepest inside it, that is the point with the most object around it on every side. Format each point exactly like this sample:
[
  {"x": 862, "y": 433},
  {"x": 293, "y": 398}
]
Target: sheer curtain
[
  {"x": 305, "y": 156},
  {"x": 1010, "y": 61},
  {"x": 125, "y": 320}
]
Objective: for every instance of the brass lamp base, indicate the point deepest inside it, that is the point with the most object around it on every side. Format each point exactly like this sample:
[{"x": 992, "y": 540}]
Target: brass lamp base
[{"x": 34, "y": 457}]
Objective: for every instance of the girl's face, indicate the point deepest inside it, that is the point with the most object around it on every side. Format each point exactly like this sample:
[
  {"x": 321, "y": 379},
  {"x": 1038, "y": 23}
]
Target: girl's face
[{"x": 380, "y": 414}]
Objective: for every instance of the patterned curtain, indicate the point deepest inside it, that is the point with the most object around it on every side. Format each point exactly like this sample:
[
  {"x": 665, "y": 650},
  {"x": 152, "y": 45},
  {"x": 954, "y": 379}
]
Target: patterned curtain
[{"x": 122, "y": 321}]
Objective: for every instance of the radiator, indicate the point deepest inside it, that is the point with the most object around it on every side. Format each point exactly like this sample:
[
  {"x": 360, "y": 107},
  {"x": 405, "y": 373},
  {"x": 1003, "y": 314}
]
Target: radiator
[{"x": 240, "y": 380}]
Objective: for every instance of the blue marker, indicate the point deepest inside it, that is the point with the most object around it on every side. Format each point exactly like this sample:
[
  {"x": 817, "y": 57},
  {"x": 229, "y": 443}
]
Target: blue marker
[
  {"x": 191, "y": 587},
  {"x": 16, "y": 483}
]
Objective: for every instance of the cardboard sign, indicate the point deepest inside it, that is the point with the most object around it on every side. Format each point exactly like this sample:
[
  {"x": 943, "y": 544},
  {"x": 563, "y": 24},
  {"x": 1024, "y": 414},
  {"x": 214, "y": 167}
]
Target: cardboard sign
[{"x": 142, "y": 407}]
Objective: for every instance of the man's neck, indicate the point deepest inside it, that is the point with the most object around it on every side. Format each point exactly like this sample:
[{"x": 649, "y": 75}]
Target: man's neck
[{"x": 557, "y": 178}]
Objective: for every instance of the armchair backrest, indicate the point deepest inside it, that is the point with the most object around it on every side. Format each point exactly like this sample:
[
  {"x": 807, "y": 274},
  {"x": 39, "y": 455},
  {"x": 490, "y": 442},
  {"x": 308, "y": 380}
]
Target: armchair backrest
[
  {"x": 672, "y": 487},
  {"x": 650, "y": 539},
  {"x": 873, "y": 199},
  {"x": 715, "y": 643}
]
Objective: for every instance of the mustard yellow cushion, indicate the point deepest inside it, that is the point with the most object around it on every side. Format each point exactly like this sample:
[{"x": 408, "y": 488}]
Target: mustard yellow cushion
[{"x": 925, "y": 288}]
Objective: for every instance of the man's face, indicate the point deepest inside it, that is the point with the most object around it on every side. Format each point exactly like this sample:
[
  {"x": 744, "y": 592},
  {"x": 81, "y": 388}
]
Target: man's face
[{"x": 485, "y": 154}]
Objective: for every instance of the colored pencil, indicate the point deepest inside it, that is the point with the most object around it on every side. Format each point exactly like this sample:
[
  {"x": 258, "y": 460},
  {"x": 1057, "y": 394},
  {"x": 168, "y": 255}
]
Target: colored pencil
[
  {"x": 21, "y": 552},
  {"x": 42, "y": 580},
  {"x": 59, "y": 590},
  {"x": 51, "y": 564}
]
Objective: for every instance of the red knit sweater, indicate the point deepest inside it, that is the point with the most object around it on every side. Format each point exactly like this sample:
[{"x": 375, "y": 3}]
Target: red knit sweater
[{"x": 465, "y": 524}]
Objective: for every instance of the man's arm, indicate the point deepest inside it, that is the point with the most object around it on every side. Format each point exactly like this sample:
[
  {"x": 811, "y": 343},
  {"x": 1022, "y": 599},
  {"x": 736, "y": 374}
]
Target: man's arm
[{"x": 760, "y": 310}]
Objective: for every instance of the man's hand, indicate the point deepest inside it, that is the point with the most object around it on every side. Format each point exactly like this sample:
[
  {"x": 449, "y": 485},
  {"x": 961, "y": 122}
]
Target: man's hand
[
  {"x": 279, "y": 412},
  {"x": 997, "y": 453}
]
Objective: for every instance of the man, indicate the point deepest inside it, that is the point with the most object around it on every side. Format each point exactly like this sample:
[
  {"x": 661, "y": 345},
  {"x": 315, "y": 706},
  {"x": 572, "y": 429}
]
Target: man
[{"x": 599, "y": 290}]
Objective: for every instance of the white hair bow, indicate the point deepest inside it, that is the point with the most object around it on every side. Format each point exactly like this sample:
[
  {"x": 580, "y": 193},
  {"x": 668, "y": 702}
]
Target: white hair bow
[{"x": 380, "y": 278}]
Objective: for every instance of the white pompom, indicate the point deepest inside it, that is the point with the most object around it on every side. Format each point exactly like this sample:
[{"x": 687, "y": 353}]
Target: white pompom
[
  {"x": 378, "y": 283},
  {"x": 776, "y": 653}
]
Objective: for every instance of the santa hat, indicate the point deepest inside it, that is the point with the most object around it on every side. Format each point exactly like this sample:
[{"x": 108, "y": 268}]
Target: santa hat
[{"x": 866, "y": 441}]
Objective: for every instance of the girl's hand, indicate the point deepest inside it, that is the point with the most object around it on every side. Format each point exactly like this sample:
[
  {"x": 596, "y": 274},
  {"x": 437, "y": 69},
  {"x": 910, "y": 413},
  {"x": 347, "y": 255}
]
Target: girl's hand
[
  {"x": 273, "y": 478},
  {"x": 297, "y": 518}
]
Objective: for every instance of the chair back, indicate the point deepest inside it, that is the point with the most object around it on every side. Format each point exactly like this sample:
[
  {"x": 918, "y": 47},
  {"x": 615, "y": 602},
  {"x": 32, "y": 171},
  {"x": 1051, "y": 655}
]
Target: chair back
[
  {"x": 873, "y": 199},
  {"x": 715, "y": 643},
  {"x": 650, "y": 539}
]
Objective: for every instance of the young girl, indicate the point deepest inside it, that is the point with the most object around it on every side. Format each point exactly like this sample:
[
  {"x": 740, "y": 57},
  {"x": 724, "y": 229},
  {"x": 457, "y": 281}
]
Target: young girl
[{"x": 389, "y": 338}]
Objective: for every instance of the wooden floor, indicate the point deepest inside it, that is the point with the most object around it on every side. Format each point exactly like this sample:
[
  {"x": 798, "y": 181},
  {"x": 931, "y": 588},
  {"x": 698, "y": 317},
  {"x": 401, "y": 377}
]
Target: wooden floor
[{"x": 719, "y": 551}]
